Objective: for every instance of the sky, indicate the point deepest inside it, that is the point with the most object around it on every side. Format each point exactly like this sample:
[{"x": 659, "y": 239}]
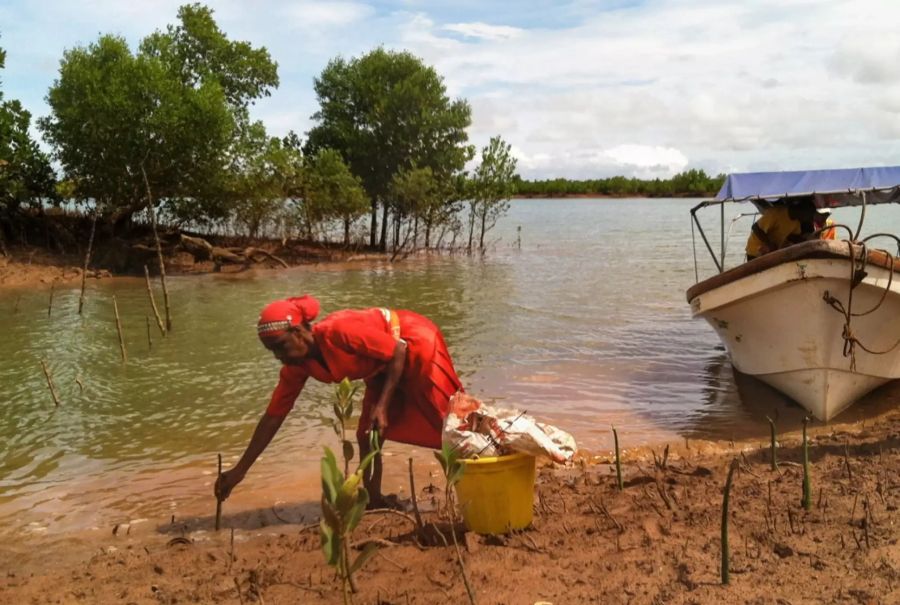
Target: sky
[{"x": 580, "y": 89}]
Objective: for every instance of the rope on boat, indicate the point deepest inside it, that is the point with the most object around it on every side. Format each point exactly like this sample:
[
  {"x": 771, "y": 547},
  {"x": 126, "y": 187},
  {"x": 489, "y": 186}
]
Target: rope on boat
[{"x": 857, "y": 275}]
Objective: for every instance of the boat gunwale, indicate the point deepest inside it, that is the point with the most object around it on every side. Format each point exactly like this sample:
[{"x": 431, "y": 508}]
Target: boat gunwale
[{"x": 816, "y": 249}]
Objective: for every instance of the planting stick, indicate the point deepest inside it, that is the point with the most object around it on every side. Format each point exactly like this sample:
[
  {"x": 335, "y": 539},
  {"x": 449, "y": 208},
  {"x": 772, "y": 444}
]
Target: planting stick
[
  {"x": 159, "y": 323},
  {"x": 87, "y": 259},
  {"x": 119, "y": 329},
  {"x": 725, "y": 578},
  {"x": 50, "y": 383},
  {"x": 806, "y": 502},
  {"x": 80, "y": 384},
  {"x": 774, "y": 444},
  {"x": 50, "y": 304},
  {"x": 415, "y": 503},
  {"x": 149, "y": 340},
  {"x": 618, "y": 462},
  {"x": 219, "y": 501},
  {"x": 159, "y": 255}
]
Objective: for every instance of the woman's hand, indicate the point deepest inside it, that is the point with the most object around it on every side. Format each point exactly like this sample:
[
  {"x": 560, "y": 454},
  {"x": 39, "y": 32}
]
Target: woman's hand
[
  {"x": 227, "y": 482},
  {"x": 379, "y": 417}
]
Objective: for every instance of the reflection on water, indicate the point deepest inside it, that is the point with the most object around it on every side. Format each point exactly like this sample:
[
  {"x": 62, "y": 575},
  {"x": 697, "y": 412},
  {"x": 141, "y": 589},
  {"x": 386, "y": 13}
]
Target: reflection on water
[{"x": 584, "y": 326}]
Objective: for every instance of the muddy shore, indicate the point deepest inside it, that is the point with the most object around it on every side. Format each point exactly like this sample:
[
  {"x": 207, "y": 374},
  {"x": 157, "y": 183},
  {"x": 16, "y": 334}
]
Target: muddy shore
[{"x": 656, "y": 541}]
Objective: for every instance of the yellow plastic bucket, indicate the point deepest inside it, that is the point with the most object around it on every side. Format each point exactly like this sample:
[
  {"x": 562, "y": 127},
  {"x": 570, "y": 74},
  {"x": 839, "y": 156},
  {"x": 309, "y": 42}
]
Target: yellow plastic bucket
[{"x": 496, "y": 494}]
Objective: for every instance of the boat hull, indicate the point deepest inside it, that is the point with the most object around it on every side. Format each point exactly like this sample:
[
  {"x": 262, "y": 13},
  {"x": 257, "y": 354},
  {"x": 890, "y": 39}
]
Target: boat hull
[{"x": 778, "y": 327}]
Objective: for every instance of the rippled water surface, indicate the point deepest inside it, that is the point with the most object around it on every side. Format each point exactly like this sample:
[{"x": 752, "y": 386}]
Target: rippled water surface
[{"x": 584, "y": 326}]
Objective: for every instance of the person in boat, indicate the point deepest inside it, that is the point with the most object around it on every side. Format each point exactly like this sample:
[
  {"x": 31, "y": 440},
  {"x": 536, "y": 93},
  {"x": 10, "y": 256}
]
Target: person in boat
[
  {"x": 401, "y": 356},
  {"x": 782, "y": 224},
  {"x": 824, "y": 224}
]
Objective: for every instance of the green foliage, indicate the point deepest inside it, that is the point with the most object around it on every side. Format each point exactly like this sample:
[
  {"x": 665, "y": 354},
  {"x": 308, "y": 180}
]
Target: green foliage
[
  {"x": 176, "y": 108},
  {"x": 491, "y": 187},
  {"x": 25, "y": 173},
  {"x": 690, "y": 183},
  {"x": 198, "y": 52},
  {"x": 344, "y": 502},
  {"x": 384, "y": 112},
  {"x": 344, "y": 393},
  {"x": 26, "y": 176},
  {"x": 453, "y": 469},
  {"x": 333, "y": 192}
]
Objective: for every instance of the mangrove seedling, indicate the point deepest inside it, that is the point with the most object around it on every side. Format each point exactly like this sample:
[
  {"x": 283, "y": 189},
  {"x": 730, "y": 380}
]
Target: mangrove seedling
[
  {"x": 453, "y": 470},
  {"x": 806, "y": 501},
  {"x": 219, "y": 500},
  {"x": 344, "y": 501},
  {"x": 773, "y": 445},
  {"x": 726, "y": 494},
  {"x": 619, "y": 483},
  {"x": 344, "y": 393}
]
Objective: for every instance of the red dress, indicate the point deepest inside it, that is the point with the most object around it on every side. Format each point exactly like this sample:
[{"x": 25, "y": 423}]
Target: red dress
[{"x": 357, "y": 344}]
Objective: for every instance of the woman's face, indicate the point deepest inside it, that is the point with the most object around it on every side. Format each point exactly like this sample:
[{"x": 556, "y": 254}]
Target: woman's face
[{"x": 293, "y": 347}]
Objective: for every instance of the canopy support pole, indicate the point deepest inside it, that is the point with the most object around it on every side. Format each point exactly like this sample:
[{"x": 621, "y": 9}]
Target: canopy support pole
[{"x": 703, "y": 235}]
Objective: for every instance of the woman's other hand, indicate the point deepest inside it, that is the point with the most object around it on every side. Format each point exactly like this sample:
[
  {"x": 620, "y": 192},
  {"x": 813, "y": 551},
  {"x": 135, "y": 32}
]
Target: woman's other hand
[{"x": 227, "y": 482}]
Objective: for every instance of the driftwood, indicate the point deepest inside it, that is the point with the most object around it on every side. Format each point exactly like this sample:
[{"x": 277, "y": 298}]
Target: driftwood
[{"x": 203, "y": 250}]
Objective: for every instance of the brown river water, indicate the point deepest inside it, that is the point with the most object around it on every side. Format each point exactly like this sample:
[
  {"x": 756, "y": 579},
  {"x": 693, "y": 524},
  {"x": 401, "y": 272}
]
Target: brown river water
[{"x": 584, "y": 326}]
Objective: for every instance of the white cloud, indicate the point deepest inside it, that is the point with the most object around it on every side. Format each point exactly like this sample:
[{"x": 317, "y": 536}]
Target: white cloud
[
  {"x": 645, "y": 160},
  {"x": 484, "y": 31},
  {"x": 643, "y": 89},
  {"x": 314, "y": 15}
]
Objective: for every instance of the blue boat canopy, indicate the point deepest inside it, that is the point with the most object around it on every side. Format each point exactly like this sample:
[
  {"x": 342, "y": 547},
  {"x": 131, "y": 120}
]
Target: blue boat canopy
[{"x": 830, "y": 188}]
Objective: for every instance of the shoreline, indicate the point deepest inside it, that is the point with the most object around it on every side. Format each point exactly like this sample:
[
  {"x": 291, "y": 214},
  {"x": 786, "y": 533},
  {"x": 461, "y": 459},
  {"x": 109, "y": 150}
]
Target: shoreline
[{"x": 656, "y": 541}]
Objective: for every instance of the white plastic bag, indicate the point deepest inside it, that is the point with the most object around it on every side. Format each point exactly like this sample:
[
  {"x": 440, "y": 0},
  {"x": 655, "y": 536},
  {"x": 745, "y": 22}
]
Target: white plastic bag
[{"x": 475, "y": 430}]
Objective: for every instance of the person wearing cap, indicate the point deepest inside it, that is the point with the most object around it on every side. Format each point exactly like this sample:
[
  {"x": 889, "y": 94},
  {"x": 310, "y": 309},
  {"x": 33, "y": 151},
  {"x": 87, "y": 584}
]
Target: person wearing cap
[
  {"x": 400, "y": 355},
  {"x": 824, "y": 224},
  {"x": 782, "y": 225}
]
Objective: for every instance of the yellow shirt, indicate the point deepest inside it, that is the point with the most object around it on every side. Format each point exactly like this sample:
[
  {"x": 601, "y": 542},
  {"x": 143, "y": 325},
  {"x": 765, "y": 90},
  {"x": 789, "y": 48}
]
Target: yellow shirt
[{"x": 778, "y": 226}]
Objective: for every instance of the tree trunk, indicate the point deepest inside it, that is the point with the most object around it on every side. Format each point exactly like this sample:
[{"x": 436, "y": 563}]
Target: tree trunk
[
  {"x": 398, "y": 220},
  {"x": 346, "y": 231},
  {"x": 373, "y": 229},
  {"x": 471, "y": 226},
  {"x": 483, "y": 219},
  {"x": 416, "y": 232},
  {"x": 427, "y": 234},
  {"x": 384, "y": 221}
]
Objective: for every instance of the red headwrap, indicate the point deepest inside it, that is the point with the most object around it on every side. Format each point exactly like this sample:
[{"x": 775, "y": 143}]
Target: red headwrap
[{"x": 279, "y": 316}]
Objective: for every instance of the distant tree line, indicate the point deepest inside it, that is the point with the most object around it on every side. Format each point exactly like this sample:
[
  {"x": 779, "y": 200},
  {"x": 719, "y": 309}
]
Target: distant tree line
[
  {"x": 166, "y": 128},
  {"x": 692, "y": 183}
]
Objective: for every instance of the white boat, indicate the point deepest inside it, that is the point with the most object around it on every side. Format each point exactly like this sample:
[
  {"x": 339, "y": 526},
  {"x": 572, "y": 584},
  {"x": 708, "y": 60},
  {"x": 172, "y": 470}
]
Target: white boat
[{"x": 818, "y": 320}]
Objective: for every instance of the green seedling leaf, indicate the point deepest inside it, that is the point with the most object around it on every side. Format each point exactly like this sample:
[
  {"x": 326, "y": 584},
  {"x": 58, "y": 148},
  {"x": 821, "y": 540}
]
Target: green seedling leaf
[
  {"x": 338, "y": 410},
  {"x": 331, "y": 476},
  {"x": 368, "y": 552},
  {"x": 358, "y": 510},
  {"x": 456, "y": 475},
  {"x": 330, "y": 543},
  {"x": 374, "y": 441},
  {"x": 330, "y": 516},
  {"x": 347, "y": 495},
  {"x": 365, "y": 462},
  {"x": 348, "y": 450}
]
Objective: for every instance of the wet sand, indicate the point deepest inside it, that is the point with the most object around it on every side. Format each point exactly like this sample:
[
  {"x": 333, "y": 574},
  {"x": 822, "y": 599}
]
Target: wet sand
[{"x": 657, "y": 541}]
